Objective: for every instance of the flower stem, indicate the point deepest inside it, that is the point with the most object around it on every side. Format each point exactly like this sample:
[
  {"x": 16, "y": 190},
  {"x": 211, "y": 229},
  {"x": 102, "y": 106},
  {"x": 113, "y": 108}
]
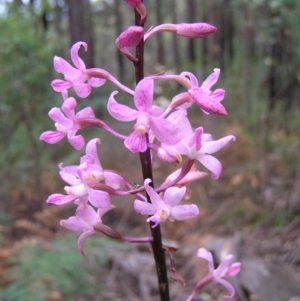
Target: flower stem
[{"x": 145, "y": 158}]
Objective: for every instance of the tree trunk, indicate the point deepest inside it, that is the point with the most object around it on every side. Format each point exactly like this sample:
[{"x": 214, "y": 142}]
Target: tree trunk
[{"x": 81, "y": 27}]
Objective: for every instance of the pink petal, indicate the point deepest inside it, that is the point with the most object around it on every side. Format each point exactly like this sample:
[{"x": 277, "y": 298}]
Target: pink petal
[
  {"x": 169, "y": 154},
  {"x": 119, "y": 111},
  {"x": 76, "y": 141},
  {"x": 211, "y": 147},
  {"x": 81, "y": 238},
  {"x": 143, "y": 208},
  {"x": 114, "y": 180},
  {"x": 203, "y": 101},
  {"x": 193, "y": 79},
  {"x": 82, "y": 90},
  {"x": 91, "y": 150},
  {"x": 68, "y": 107},
  {"x": 76, "y": 224},
  {"x": 233, "y": 269},
  {"x": 203, "y": 253},
  {"x": 62, "y": 66},
  {"x": 165, "y": 131},
  {"x": 212, "y": 164},
  {"x": 229, "y": 288},
  {"x": 86, "y": 113},
  {"x": 59, "y": 199},
  {"x": 56, "y": 115},
  {"x": 133, "y": 3},
  {"x": 223, "y": 267},
  {"x": 211, "y": 80},
  {"x": 52, "y": 137},
  {"x": 88, "y": 214},
  {"x": 183, "y": 212},
  {"x": 174, "y": 195},
  {"x": 218, "y": 95},
  {"x": 130, "y": 37},
  {"x": 156, "y": 200},
  {"x": 96, "y": 82},
  {"x": 71, "y": 179},
  {"x": 136, "y": 142},
  {"x": 77, "y": 61},
  {"x": 98, "y": 198},
  {"x": 143, "y": 95},
  {"x": 59, "y": 85}
]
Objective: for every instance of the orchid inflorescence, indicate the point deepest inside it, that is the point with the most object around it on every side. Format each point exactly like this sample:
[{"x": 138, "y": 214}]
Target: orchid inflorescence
[{"x": 167, "y": 132}]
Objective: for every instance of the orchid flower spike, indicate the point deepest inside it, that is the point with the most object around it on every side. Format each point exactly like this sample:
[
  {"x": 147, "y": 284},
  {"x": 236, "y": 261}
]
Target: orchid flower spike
[
  {"x": 225, "y": 269},
  {"x": 140, "y": 7},
  {"x": 66, "y": 125},
  {"x": 146, "y": 116},
  {"x": 84, "y": 221},
  {"x": 76, "y": 78},
  {"x": 130, "y": 38},
  {"x": 188, "y": 30},
  {"x": 167, "y": 208}
]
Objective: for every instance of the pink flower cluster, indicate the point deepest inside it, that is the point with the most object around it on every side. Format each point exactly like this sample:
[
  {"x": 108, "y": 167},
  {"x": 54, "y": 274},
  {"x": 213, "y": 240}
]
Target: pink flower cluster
[{"x": 165, "y": 132}]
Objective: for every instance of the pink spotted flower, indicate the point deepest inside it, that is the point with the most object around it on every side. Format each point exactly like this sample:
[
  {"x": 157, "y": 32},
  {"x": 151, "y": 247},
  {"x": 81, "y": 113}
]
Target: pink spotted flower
[
  {"x": 166, "y": 208},
  {"x": 198, "y": 146},
  {"x": 66, "y": 123},
  {"x": 224, "y": 270},
  {"x": 146, "y": 116},
  {"x": 88, "y": 172},
  {"x": 74, "y": 77},
  {"x": 84, "y": 221}
]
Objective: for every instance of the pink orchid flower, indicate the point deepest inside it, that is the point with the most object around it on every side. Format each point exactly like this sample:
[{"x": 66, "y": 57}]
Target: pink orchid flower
[
  {"x": 205, "y": 99},
  {"x": 225, "y": 269},
  {"x": 146, "y": 116},
  {"x": 166, "y": 208},
  {"x": 84, "y": 221},
  {"x": 66, "y": 125},
  {"x": 130, "y": 38},
  {"x": 73, "y": 77},
  {"x": 199, "y": 146},
  {"x": 140, "y": 7},
  {"x": 88, "y": 172}
]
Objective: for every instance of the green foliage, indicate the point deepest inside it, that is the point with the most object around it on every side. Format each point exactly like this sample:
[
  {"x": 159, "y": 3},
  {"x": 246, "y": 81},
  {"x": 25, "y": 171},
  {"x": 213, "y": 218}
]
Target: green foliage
[{"x": 37, "y": 270}]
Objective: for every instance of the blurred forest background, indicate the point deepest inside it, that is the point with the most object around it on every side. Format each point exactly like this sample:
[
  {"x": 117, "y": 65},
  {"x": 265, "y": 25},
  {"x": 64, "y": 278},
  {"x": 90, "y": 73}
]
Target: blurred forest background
[{"x": 257, "y": 47}]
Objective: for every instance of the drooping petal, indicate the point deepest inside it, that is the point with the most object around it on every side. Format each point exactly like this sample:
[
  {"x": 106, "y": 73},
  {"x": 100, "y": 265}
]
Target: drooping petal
[
  {"x": 143, "y": 208},
  {"x": 212, "y": 164},
  {"x": 81, "y": 89},
  {"x": 211, "y": 147},
  {"x": 114, "y": 180},
  {"x": 136, "y": 142},
  {"x": 76, "y": 224},
  {"x": 183, "y": 212},
  {"x": 76, "y": 141},
  {"x": 191, "y": 77},
  {"x": 98, "y": 198},
  {"x": 77, "y": 61},
  {"x": 229, "y": 288},
  {"x": 81, "y": 238},
  {"x": 165, "y": 131},
  {"x": 52, "y": 137},
  {"x": 60, "y": 199},
  {"x": 96, "y": 82},
  {"x": 119, "y": 111},
  {"x": 211, "y": 80},
  {"x": 88, "y": 214},
  {"x": 174, "y": 195},
  {"x": 203, "y": 253},
  {"x": 143, "y": 95}
]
